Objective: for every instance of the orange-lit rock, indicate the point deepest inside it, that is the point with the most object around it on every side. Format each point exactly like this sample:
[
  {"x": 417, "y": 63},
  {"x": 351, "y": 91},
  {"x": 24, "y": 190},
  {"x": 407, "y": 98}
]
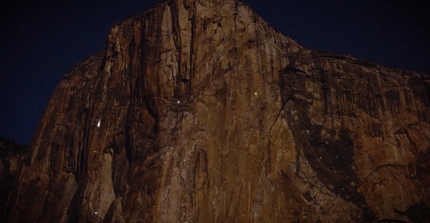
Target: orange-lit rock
[{"x": 199, "y": 111}]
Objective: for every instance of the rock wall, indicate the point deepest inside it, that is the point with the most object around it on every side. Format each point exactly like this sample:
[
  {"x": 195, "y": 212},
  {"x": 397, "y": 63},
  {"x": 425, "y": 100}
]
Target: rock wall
[
  {"x": 199, "y": 111},
  {"x": 12, "y": 156}
]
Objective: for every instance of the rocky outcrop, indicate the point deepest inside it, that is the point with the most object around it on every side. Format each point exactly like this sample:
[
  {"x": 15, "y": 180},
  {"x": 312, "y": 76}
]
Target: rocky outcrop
[
  {"x": 199, "y": 111},
  {"x": 12, "y": 157}
]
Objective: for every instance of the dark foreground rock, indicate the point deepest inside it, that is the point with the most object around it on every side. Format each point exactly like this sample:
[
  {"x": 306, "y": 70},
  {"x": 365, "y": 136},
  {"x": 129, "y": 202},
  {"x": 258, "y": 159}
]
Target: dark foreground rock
[
  {"x": 199, "y": 111},
  {"x": 12, "y": 158}
]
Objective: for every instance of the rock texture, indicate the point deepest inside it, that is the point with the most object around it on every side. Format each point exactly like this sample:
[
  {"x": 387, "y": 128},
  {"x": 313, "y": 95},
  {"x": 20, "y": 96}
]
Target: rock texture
[
  {"x": 199, "y": 111},
  {"x": 12, "y": 156}
]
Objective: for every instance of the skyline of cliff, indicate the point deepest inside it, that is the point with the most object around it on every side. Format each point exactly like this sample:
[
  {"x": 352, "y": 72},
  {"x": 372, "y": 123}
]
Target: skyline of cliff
[{"x": 41, "y": 42}]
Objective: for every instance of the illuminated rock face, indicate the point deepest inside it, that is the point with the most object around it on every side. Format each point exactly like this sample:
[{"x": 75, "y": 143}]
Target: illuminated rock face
[{"x": 199, "y": 111}]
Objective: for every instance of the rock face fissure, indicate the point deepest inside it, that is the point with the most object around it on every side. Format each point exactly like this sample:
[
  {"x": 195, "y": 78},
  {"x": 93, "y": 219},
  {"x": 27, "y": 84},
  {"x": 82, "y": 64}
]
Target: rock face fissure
[{"x": 199, "y": 111}]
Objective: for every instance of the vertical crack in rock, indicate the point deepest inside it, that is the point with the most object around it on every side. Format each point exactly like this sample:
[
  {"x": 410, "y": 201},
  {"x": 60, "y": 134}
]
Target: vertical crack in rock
[
  {"x": 176, "y": 29},
  {"x": 192, "y": 44}
]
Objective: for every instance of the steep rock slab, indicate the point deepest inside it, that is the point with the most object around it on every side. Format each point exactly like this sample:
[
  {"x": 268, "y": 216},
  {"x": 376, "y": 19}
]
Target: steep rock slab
[{"x": 199, "y": 111}]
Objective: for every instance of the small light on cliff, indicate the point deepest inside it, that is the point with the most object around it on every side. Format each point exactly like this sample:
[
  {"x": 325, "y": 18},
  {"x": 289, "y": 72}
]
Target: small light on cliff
[
  {"x": 98, "y": 124},
  {"x": 255, "y": 93},
  {"x": 179, "y": 102},
  {"x": 96, "y": 212}
]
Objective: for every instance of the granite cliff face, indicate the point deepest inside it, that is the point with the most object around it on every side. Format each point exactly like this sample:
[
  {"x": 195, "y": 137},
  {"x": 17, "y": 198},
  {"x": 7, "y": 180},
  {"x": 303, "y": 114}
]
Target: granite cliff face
[
  {"x": 12, "y": 156},
  {"x": 199, "y": 111}
]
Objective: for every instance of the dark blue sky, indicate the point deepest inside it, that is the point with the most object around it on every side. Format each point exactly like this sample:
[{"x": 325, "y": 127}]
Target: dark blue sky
[{"x": 40, "y": 42}]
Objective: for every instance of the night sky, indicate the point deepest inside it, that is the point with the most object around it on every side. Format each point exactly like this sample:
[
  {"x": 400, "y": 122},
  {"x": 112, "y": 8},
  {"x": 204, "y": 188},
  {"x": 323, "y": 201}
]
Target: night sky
[{"x": 40, "y": 42}]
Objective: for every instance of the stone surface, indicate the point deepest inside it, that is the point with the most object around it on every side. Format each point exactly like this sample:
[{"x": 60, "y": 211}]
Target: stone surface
[
  {"x": 12, "y": 158},
  {"x": 199, "y": 111}
]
